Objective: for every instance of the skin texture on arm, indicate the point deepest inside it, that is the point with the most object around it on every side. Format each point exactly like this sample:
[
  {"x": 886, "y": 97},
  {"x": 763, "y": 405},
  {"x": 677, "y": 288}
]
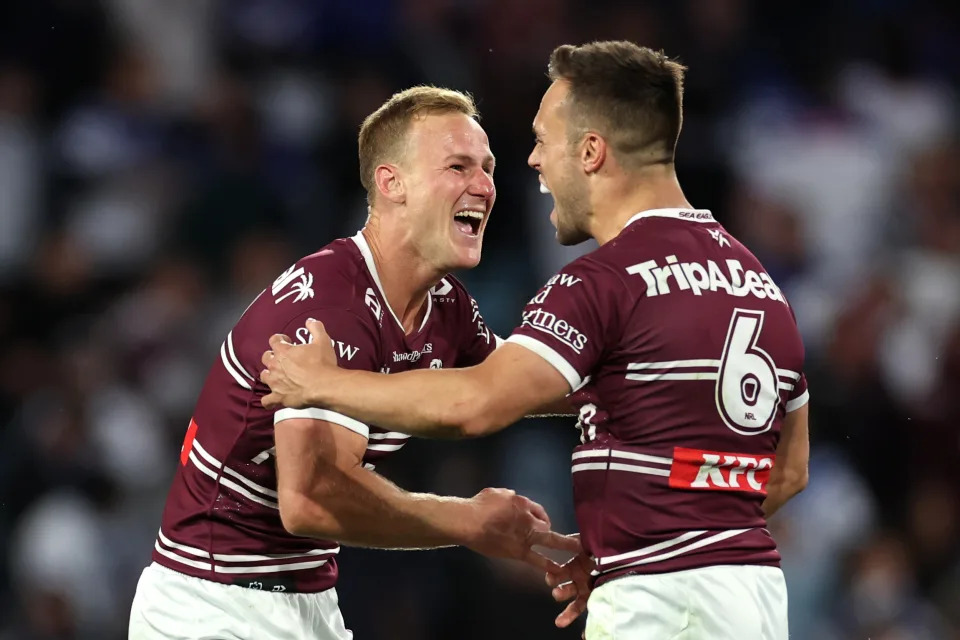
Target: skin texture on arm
[
  {"x": 454, "y": 403},
  {"x": 325, "y": 492},
  {"x": 790, "y": 472}
]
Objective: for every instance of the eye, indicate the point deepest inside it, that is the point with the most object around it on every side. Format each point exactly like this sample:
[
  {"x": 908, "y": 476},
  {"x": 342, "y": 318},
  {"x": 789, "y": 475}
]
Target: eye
[{"x": 458, "y": 168}]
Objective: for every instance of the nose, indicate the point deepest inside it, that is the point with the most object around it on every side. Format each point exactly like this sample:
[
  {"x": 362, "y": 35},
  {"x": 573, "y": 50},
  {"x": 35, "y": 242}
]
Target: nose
[
  {"x": 533, "y": 160},
  {"x": 482, "y": 185}
]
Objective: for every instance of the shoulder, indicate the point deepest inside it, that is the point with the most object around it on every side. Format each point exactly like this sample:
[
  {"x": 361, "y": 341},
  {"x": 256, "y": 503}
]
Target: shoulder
[
  {"x": 597, "y": 270},
  {"x": 332, "y": 278}
]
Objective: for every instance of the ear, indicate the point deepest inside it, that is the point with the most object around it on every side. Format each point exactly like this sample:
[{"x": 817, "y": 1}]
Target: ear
[
  {"x": 593, "y": 152},
  {"x": 389, "y": 183}
]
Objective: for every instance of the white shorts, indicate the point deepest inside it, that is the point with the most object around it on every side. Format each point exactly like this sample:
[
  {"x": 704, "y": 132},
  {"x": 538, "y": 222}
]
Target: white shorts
[
  {"x": 732, "y": 602},
  {"x": 171, "y": 606}
]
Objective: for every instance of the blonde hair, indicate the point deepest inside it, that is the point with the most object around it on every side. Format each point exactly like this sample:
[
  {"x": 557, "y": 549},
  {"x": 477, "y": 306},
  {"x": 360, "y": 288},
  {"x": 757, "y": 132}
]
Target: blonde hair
[{"x": 383, "y": 132}]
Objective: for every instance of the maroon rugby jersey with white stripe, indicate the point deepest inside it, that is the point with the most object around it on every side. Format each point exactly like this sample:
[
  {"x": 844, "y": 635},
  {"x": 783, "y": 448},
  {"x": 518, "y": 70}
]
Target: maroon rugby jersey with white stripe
[
  {"x": 684, "y": 358},
  {"x": 221, "y": 521}
]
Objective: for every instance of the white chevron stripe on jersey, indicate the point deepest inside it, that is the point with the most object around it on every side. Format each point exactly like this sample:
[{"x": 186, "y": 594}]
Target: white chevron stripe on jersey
[
  {"x": 309, "y": 560},
  {"x": 227, "y": 482},
  {"x": 231, "y": 370},
  {"x": 219, "y": 465},
  {"x": 667, "y": 370},
  {"x": 652, "y": 377},
  {"x": 693, "y": 546},
  {"x": 660, "y": 546},
  {"x": 611, "y": 465},
  {"x": 674, "y": 364},
  {"x": 629, "y": 455},
  {"x": 787, "y": 373},
  {"x": 235, "y": 360}
]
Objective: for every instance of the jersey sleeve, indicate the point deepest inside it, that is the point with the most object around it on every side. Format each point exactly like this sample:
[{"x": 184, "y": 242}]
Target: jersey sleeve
[
  {"x": 799, "y": 395},
  {"x": 574, "y": 318},
  {"x": 355, "y": 344},
  {"x": 476, "y": 341}
]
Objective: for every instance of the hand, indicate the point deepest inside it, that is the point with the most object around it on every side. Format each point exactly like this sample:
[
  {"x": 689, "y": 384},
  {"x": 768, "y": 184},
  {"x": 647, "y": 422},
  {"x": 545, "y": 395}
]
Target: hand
[
  {"x": 573, "y": 581},
  {"x": 293, "y": 370},
  {"x": 509, "y": 526}
]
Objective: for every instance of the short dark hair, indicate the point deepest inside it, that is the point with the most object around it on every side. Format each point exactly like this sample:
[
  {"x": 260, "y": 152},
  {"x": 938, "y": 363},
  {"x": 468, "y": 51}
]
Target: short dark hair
[
  {"x": 383, "y": 133},
  {"x": 631, "y": 95}
]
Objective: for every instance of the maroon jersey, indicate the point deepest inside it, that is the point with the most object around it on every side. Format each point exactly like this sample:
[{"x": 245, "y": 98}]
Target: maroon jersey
[
  {"x": 222, "y": 521},
  {"x": 683, "y": 357}
]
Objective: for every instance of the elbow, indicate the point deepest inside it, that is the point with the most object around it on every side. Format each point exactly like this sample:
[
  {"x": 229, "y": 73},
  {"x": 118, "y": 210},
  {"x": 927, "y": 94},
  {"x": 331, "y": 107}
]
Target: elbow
[
  {"x": 302, "y": 516},
  {"x": 802, "y": 480},
  {"x": 467, "y": 420},
  {"x": 796, "y": 482},
  {"x": 477, "y": 419}
]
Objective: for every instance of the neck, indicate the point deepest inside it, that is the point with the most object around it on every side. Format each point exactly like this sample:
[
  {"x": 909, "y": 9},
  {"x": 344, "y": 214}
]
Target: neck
[
  {"x": 617, "y": 199},
  {"x": 405, "y": 276}
]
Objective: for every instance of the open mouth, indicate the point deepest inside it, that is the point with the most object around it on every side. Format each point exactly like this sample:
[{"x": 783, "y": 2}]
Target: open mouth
[{"x": 468, "y": 221}]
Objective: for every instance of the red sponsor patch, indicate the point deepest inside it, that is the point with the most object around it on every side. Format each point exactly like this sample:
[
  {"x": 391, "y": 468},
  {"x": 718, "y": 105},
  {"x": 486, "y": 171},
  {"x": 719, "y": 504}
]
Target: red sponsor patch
[
  {"x": 188, "y": 441},
  {"x": 720, "y": 471}
]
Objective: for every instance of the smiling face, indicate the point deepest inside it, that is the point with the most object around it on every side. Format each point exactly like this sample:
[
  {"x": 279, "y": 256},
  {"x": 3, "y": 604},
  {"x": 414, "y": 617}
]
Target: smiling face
[
  {"x": 557, "y": 161},
  {"x": 447, "y": 172}
]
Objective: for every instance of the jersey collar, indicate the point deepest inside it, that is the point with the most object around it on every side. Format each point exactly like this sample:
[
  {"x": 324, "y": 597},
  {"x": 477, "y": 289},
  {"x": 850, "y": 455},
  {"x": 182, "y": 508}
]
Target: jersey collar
[
  {"x": 364, "y": 248},
  {"x": 691, "y": 215}
]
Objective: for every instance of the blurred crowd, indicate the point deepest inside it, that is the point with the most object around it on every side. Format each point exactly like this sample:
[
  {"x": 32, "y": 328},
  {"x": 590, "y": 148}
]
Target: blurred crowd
[{"x": 162, "y": 162}]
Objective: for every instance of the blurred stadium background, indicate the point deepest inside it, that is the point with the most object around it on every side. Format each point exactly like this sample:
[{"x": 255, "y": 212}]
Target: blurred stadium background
[{"x": 162, "y": 161}]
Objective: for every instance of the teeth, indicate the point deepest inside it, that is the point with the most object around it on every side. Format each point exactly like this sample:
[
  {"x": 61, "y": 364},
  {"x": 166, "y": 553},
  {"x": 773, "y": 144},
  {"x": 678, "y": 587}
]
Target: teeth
[
  {"x": 543, "y": 188},
  {"x": 467, "y": 213}
]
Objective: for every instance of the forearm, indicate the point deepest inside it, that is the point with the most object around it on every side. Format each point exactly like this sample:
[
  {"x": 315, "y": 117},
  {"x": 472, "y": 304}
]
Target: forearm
[
  {"x": 778, "y": 494},
  {"x": 361, "y": 508},
  {"x": 425, "y": 402}
]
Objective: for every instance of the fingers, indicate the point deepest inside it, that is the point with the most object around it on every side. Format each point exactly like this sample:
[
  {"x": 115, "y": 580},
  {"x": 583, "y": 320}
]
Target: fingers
[
  {"x": 280, "y": 342},
  {"x": 271, "y": 400},
  {"x": 317, "y": 330},
  {"x": 554, "y": 540},
  {"x": 543, "y": 563},
  {"x": 558, "y": 578},
  {"x": 573, "y": 611},
  {"x": 538, "y": 511},
  {"x": 565, "y": 591}
]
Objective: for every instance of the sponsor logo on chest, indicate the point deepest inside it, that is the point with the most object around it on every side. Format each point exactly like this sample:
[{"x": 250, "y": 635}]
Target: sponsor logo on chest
[
  {"x": 344, "y": 350},
  {"x": 413, "y": 356}
]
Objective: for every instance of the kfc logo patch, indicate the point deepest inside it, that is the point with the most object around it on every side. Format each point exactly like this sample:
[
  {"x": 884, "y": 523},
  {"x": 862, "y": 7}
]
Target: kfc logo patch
[{"x": 720, "y": 471}]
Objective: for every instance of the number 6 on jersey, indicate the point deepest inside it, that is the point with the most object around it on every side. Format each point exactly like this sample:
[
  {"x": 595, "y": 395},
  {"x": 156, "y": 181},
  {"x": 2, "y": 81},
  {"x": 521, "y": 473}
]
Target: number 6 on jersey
[{"x": 747, "y": 386}]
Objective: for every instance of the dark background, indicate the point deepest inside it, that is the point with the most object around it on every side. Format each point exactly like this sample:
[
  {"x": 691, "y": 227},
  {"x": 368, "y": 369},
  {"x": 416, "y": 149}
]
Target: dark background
[{"x": 162, "y": 161}]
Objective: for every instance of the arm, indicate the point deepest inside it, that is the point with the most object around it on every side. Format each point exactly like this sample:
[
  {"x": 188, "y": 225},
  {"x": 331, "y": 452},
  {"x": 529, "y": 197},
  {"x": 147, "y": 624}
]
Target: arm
[
  {"x": 324, "y": 492},
  {"x": 511, "y": 383},
  {"x": 789, "y": 474}
]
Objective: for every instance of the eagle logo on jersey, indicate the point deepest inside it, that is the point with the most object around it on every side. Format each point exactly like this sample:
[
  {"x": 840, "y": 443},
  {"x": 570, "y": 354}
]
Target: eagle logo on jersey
[
  {"x": 370, "y": 298},
  {"x": 443, "y": 288},
  {"x": 717, "y": 235}
]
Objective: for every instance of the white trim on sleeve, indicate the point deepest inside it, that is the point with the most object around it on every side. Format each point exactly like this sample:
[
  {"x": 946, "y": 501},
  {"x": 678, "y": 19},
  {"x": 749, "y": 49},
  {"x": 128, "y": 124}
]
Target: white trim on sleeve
[
  {"x": 323, "y": 414},
  {"x": 498, "y": 341},
  {"x": 799, "y": 401},
  {"x": 550, "y": 355}
]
